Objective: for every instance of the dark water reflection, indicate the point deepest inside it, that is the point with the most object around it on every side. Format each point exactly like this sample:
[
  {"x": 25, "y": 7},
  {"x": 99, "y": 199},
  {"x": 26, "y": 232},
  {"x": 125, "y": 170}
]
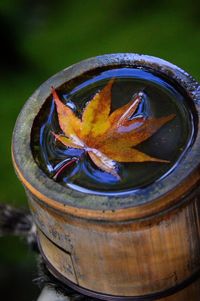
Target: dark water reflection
[{"x": 161, "y": 98}]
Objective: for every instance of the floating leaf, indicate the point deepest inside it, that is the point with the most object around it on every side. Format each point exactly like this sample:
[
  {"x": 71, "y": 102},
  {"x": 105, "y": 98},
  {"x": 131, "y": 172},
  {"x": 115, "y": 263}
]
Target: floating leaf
[{"x": 108, "y": 138}]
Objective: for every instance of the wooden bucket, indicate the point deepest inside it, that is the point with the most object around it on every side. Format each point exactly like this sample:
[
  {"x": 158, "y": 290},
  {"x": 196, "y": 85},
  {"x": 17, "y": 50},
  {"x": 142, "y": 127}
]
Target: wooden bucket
[{"x": 142, "y": 246}]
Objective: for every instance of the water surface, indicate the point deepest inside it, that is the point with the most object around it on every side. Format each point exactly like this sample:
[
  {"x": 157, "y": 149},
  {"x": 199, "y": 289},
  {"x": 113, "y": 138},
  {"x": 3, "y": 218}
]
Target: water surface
[{"x": 161, "y": 98}]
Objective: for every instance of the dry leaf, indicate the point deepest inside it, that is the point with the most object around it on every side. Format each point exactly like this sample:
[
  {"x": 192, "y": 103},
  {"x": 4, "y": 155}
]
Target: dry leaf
[{"x": 108, "y": 138}]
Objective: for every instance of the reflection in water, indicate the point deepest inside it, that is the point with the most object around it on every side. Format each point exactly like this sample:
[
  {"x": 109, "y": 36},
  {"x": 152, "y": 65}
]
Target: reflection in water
[{"x": 74, "y": 168}]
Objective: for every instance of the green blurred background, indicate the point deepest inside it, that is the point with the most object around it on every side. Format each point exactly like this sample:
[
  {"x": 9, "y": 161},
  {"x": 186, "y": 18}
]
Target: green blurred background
[{"x": 41, "y": 37}]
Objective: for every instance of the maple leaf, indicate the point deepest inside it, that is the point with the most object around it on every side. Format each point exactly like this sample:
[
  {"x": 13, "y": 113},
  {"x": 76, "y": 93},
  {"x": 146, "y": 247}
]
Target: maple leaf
[{"x": 108, "y": 137}]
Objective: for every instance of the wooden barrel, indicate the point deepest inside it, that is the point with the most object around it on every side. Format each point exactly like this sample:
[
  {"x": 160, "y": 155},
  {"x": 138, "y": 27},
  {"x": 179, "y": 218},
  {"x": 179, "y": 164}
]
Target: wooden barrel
[{"x": 141, "y": 246}]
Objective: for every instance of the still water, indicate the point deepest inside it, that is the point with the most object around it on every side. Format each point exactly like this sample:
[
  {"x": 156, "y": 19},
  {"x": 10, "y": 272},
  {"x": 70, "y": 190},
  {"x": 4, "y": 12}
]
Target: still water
[{"x": 73, "y": 168}]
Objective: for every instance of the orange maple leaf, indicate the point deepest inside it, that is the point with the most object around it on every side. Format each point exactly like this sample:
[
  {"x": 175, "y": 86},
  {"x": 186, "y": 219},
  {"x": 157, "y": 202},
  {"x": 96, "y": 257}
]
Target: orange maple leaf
[{"x": 108, "y": 138}]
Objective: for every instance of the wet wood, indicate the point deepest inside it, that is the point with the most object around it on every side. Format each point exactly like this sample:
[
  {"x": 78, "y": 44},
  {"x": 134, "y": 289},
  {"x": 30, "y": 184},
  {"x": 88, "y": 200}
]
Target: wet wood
[{"x": 130, "y": 258}]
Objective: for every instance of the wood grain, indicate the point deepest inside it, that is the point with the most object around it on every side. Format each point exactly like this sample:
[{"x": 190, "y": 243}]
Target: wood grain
[{"x": 127, "y": 258}]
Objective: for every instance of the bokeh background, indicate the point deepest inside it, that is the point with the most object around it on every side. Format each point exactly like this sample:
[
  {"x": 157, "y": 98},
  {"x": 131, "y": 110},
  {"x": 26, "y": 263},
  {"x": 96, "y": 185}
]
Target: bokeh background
[{"x": 41, "y": 37}]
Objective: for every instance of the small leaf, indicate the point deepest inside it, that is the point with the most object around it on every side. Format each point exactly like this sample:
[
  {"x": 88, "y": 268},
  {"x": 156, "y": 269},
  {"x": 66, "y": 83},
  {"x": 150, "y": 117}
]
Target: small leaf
[
  {"x": 132, "y": 135},
  {"x": 127, "y": 154},
  {"x": 120, "y": 116},
  {"x": 69, "y": 123},
  {"x": 108, "y": 138},
  {"x": 95, "y": 115},
  {"x": 68, "y": 142},
  {"x": 104, "y": 163}
]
